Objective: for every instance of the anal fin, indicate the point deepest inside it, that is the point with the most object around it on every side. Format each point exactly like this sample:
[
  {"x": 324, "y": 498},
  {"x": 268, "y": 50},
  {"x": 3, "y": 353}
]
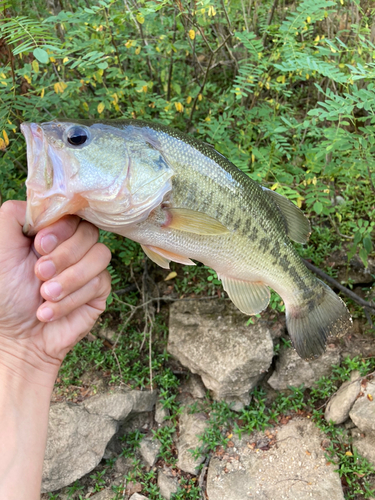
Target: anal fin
[{"x": 250, "y": 297}]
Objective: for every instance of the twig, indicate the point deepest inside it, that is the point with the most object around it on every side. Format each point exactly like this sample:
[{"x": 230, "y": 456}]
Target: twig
[
  {"x": 118, "y": 366},
  {"x": 343, "y": 289},
  {"x": 203, "y": 474},
  {"x": 106, "y": 13},
  {"x": 269, "y": 20},
  {"x": 171, "y": 61},
  {"x": 213, "y": 53}
]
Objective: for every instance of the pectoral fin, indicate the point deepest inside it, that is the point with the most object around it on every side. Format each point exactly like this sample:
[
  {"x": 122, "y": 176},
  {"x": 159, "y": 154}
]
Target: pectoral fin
[
  {"x": 250, "y": 297},
  {"x": 163, "y": 257},
  {"x": 298, "y": 226},
  {"x": 192, "y": 221}
]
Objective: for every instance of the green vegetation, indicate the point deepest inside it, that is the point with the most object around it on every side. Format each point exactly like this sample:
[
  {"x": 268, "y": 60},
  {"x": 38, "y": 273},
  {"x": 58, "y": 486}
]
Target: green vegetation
[{"x": 285, "y": 90}]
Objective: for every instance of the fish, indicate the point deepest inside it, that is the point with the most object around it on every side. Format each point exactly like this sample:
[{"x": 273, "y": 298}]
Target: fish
[{"x": 183, "y": 201}]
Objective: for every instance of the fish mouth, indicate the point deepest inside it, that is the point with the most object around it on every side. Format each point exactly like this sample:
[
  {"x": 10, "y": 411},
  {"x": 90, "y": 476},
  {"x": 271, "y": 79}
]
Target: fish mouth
[{"x": 48, "y": 199}]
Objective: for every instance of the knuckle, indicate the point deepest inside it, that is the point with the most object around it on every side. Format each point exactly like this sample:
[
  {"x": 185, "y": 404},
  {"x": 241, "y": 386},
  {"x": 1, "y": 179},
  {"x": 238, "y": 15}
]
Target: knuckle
[
  {"x": 8, "y": 207},
  {"x": 96, "y": 284}
]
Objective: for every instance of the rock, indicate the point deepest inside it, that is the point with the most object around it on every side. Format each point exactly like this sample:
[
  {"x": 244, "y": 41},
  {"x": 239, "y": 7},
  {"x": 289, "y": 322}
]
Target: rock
[
  {"x": 137, "y": 496},
  {"x": 191, "y": 427},
  {"x": 212, "y": 340},
  {"x": 107, "y": 494},
  {"x": 363, "y": 410},
  {"x": 161, "y": 413},
  {"x": 194, "y": 386},
  {"x": 341, "y": 403},
  {"x": 292, "y": 466},
  {"x": 168, "y": 485},
  {"x": 149, "y": 449},
  {"x": 123, "y": 465},
  {"x": 365, "y": 444},
  {"x": 291, "y": 370},
  {"x": 78, "y": 434}
]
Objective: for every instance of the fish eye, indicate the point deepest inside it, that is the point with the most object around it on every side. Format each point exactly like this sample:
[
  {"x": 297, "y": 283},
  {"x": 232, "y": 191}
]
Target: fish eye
[{"x": 77, "y": 135}]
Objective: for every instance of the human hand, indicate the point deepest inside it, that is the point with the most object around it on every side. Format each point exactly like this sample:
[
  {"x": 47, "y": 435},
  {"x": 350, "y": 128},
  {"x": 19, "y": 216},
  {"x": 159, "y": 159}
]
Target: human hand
[{"x": 70, "y": 276}]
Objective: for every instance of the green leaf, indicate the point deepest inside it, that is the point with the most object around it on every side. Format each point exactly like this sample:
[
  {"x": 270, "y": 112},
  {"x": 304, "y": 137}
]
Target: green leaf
[
  {"x": 367, "y": 243},
  {"x": 41, "y": 55},
  {"x": 103, "y": 65},
  {"x": 363, "y": 255},
  {"x": 318, "y": 207}
]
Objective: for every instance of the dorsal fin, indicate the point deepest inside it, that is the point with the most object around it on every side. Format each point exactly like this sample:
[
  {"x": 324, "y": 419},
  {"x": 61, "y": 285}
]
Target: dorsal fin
[{"x": 298, "y": 226}]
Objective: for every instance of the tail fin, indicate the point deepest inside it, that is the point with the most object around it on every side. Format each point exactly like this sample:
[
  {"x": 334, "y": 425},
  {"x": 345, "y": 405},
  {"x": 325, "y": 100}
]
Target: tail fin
[{"x": 311, "y": 324}]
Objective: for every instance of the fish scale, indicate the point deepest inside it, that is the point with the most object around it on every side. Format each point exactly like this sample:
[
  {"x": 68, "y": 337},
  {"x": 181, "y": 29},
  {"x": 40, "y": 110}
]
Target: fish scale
[{"x": 181, "y": 200}]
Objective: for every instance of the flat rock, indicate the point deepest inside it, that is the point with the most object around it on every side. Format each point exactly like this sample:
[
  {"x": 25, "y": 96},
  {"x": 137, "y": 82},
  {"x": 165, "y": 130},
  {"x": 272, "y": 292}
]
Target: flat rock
[
  {"x": 78, "y": 434},
  {"x": 149, "y": 449},
  {"x": 211, "y": 338},
  {"x": 191, "y": 427},
  {"x": 341, "y": 403},
  {"x": 365, "y": 444},
  {"x": 291, "y": 370},
  {"x": 291, "y": 467},
  {"x": 363, "y": 410},
  {"x": 168, "y": 485},
  {"x": 107, "y": 494},
  {"x": 137, "y": 496}
]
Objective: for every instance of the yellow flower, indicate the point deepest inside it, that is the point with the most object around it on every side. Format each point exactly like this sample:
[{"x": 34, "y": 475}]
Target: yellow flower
[
  {"x": 101, "y": 107},
  {"x": 192, "y": 34},
  {"x": 179, "y": 107}
]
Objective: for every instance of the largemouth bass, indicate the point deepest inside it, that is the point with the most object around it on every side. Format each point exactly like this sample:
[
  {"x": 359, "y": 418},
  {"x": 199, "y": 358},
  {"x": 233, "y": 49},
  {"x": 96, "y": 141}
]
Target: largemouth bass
[{"x": 182, "y": 200}]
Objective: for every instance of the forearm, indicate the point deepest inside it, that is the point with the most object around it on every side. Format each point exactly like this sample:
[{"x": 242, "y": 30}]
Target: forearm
[{"x": 25, "y": 394}]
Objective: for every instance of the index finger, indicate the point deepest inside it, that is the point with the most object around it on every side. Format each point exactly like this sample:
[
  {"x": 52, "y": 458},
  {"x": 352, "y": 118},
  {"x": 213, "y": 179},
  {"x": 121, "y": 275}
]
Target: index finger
[{"x": 52, "y": 236}]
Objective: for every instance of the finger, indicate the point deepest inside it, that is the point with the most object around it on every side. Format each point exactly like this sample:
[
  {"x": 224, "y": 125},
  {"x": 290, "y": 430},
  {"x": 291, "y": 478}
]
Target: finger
[
  {"x": 95, "y": 291},
  {"x": 67, "y": 253},
  {"x": 50, "y": 237},
  {"x": 75, "y": 277},
  {"x": 12, "y": 218}
]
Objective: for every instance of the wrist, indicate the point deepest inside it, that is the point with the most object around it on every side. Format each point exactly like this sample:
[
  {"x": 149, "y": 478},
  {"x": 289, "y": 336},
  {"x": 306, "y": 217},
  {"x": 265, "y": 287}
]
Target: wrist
[{"x": 21, "y": 361}]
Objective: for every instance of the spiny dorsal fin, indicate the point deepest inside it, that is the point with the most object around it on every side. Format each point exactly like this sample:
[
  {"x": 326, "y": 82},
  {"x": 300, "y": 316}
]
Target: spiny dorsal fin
[
  {"x": 192, "y": 221},
  {"x": 250, "y": 297},
  {"x": 298, "y": 225}
]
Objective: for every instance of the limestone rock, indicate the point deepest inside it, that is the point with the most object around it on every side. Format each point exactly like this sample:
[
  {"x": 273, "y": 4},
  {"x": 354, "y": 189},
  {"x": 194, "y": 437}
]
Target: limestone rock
[
  {"x": 291, "y": 370},
  {"x": 194, "y": 386},
  {"x": 191, "y": 427},
  {"x": 291, "y": 467},
  {"x": 137, "y": 496},
  {"x": 363, "y": 410},
  {"x": 78, "y": 434},
  {"x": 149, "y": 449},
  {"x": 168, "y": 485},
  {"x": 212, "y": 340},
  {"x": 107, "y": 494},
  {"x": 365, "y": 444},
  {"x": 341, "y": 403},
  {"x": 161, "y": 414}
]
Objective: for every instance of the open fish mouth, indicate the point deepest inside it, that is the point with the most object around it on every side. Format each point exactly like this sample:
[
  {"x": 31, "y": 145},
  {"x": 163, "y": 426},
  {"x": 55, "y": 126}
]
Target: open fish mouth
[{"x": 48, "y": 196}]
